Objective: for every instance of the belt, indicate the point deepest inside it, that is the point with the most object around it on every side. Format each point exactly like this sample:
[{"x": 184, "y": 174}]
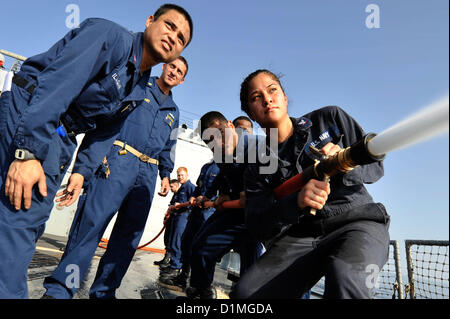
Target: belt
[
  {"x": 66, "y": 127},
  {"x": 135, "y": 152},
  {"x": 24, "y": 84}
]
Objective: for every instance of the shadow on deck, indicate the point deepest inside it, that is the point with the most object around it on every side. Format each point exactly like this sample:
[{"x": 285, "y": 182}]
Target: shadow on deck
[{"x": 140, "y": 281}]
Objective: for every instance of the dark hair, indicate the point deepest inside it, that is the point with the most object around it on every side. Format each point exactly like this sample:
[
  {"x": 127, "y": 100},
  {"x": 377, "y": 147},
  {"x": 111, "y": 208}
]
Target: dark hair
[
  {"x": 169, "y": 6},
  {"x": 208, "y": 119},
  {"x": 173, "y": 181},
  {"x": 242, "y": 118},
  {"x": 245, "y": 86},
  {"x": 182, "y": 58}
]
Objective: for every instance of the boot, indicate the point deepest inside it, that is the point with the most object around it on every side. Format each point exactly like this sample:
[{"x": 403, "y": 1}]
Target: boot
[
  {"x": 165, "y": 260},
  {"x": 201, "y": 293},
  {"x": 169, "y": 272},
  {"x": 178, "y": 280}
]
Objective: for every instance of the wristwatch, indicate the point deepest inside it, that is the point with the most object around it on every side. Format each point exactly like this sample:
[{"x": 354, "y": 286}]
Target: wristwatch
[{"x": 23, "y": 154}]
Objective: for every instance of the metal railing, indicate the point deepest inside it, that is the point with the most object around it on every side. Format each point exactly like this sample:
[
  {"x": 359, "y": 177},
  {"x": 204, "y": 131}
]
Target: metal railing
[
  {"x": 390, "y": 279},
  {"x": 427, "y": 268},
  {"x": 18, "y": 59}
]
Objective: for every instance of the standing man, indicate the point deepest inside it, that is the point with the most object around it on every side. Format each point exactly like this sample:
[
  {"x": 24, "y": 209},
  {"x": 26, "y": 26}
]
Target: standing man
[
  {"x": 89, "y": 81},
  {"x": 143, "y": 147},
  {"x": 174, "y": 186},
  {"x": 180, "y": 217}
]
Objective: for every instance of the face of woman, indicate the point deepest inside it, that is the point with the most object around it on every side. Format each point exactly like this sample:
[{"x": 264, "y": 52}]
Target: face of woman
[{"x": 267, "y": 102}]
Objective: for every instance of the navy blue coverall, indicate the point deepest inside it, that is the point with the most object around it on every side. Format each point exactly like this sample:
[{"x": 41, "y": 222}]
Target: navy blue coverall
[
  {"x": 225, "y": 229},
  {"x": 129, "y": 189},
  {"x": 89, "y": 81},
  {"x": 168, "y": 229},
  {"x": 339, "y": 242},
  {"x": 198, "y": 216},
  {"x": 178, "y": 224}
]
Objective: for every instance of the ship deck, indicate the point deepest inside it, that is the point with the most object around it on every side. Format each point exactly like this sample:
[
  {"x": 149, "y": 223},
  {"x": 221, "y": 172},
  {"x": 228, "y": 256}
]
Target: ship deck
[{"x": 140, "y": 281}]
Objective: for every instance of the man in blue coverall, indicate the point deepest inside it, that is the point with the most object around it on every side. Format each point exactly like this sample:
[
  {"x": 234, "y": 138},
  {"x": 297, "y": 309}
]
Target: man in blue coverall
[
  {"x": 88, "y": 82},
  {"x": 174, "y": 186},
  {"x": 142, "y": 148},
  {"x": 225, "y": 229},
  {"x": 180, "y": 217},
  {"x": 196, "y": 219}
]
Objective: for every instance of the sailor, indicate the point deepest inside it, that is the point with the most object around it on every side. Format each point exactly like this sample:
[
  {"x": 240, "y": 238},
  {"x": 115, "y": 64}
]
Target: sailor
[
  {"x": 348, "y": 232},
  {"x": 88, "y": 82},
  {"x": 174, "y": 186},
  {"x": 178, "y": 225},
  {"x": 143, "y": 147},
  {"x": 196, "y": 218},
  {"x": 243, "y": 124},
  {"x": 225, "y": 229}
]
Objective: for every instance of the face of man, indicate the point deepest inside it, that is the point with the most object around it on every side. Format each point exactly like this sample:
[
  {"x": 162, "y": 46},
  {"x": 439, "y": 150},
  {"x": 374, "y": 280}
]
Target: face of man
[
  {"x": 166, "y": 37},
  {"x": 173, "y": 73},
  {"x": 182, "y": 176},
  {"x": 245, "y": 126},
  {"x": 174, "y": 187},
  {"x": 224, "y": 136}
]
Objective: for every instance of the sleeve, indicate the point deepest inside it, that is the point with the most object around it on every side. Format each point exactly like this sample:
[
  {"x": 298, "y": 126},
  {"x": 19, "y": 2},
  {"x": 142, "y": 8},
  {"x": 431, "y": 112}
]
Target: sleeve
[
  {"x": 264, "y": 215},
  {"x": 174, "y": 199},
  {"x": 190, "y": 191},
  {"x": 198, "y": 189},
  {"x": 72, "y": 62},
  {"x": 95, "y": 145},
  {"x": 353, "y": 132},
  {"x": 216, "y": 186},
  {"x": 167, "y": 155}
]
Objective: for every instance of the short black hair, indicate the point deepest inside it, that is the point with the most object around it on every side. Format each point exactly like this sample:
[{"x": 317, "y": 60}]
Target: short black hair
[
  {"x": 183, "y": 59},
  {"x": 242, "y": 118},
  {"x": 208, "y": 119},
  {"x": 169, "y": 6},
  {"x": 173, "y": 181}
]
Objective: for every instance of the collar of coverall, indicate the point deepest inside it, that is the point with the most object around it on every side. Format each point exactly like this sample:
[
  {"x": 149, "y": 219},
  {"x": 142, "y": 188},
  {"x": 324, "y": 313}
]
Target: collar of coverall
[{"x": 137, "y": 50}]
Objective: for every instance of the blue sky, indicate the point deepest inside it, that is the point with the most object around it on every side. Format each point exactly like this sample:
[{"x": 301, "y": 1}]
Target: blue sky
[{"x": 327, "y": 56}]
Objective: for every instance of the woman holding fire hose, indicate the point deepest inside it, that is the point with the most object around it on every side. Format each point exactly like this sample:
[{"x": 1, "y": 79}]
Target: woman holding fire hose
[{"x": 346, "y": 239}]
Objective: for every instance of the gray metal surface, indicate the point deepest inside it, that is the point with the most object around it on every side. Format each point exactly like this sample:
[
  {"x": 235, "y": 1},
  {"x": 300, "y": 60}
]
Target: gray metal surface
[{"x": 140, "y": 282}]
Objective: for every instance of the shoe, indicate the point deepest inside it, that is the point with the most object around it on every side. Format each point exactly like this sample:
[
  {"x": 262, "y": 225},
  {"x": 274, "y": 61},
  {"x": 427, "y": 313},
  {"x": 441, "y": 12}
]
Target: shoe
[
  {"x": 208, "y": 293},
  {"x": 178, "y": 281},
  {"x": 165, "y": 260},
  {"x": 164, "y": 266},
  {"x": 192, "y": 293},
  {"x": 47, "y": 297},
  {"x": 201, "y": 293},
  {"x": 169, "y": 272}
]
